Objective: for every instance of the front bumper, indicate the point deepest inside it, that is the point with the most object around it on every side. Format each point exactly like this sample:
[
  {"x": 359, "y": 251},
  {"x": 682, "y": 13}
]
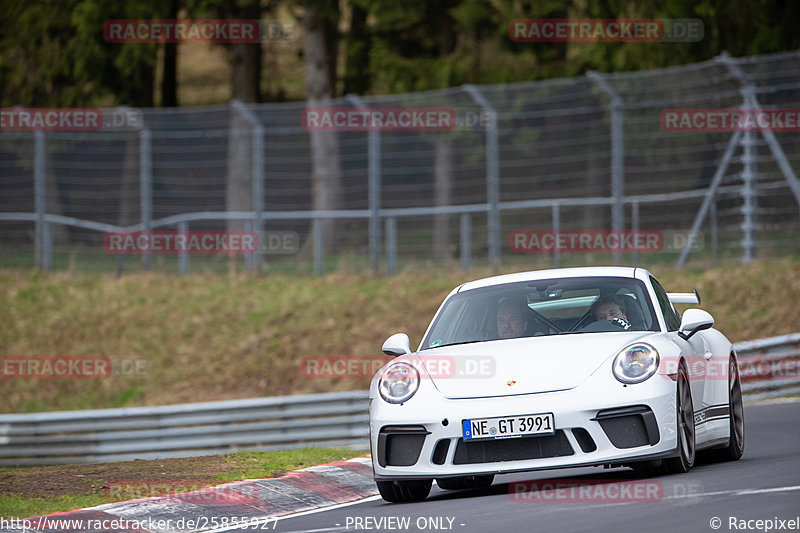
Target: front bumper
[{"x": 599, "y": 422}]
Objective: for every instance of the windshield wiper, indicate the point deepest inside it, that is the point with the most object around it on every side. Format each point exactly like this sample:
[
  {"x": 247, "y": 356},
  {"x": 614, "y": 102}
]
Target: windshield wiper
[{"x": 454, "y": 344}]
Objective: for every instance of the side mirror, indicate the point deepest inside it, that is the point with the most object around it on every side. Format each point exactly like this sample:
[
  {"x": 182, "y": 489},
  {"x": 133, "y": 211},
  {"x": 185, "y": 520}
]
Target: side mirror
[
  {"x": 693, "y": 321},
  {"x": 396, "y": 345}
]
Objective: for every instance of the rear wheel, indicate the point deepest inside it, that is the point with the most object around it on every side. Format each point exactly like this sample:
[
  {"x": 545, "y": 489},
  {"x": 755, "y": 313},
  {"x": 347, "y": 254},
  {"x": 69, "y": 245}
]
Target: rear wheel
[
  {"x": 735, "y": 448},
  {"x": 465, "y": 482},
  {"x": 685, "y": 426},
  {"x": 405, "y": 491}
]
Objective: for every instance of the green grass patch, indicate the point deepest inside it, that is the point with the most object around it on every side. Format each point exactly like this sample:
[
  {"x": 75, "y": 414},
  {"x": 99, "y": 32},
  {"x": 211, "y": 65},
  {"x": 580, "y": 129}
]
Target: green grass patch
[
  {"x": 255, "y": 465},
  {"x": 206, "y": 337},
  {"x": 16, "y": 506}
]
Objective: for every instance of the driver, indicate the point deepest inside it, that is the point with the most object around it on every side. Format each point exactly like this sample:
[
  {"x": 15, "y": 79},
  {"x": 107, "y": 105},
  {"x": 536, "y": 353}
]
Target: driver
[{"x": 514, "y": 320}]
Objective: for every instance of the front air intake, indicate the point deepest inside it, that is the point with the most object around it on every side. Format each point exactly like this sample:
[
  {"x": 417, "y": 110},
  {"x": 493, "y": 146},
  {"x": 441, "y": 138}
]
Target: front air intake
[
  {"x": 400, "y": 445},
  {"x": 521, "y": 449},
  {"x": 629, "y": 427}
]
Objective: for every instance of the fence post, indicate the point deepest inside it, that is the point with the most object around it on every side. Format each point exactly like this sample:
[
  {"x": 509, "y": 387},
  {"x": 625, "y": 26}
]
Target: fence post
[
  {"x": 42, "y": 246},
  {"x": 719, "y": 175},
  {"x": 556, "y": 229},
  {"x": 47, "y": 246},
  {"x": 146, "y": 188},
  {"x": 373, "y": 188},
  {"x": 617, "y": 155},
  {"x": 183, "y": 257},
  {"x": 714, "y": 231},
  {"x": 258, "y": 195},
  {"x": 749, "y": 200},
  {"x": 749, "y": 173},
  {"x": 635, "y": 228},
  {"x": 751, "y": 101},
  {"x": 391, "y": 245},
  {"x": 466, "y": 241},
  {"x": 318, "y": 228},
  {"x": 257, "y": 165},
  {"x": 492, "y": 176}
]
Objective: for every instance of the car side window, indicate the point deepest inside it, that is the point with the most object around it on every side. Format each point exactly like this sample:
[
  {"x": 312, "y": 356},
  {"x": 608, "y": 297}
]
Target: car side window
[{"x": 671, "y": 316}]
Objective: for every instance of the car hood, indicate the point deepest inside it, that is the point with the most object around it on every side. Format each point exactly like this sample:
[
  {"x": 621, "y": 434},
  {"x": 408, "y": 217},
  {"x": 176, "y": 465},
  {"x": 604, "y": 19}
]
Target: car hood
[{"x": 533, "y": 364}]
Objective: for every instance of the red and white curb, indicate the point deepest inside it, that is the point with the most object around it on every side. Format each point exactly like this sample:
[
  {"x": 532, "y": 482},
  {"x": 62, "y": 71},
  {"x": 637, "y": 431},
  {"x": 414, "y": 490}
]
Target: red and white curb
[{"x": 251, "y": 504}]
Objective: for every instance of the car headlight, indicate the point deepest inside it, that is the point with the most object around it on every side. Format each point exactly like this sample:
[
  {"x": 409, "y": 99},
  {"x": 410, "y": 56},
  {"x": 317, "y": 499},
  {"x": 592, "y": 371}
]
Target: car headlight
[
  {"x": 399, "y": 382},
  {"x": 635, "y": 363}
]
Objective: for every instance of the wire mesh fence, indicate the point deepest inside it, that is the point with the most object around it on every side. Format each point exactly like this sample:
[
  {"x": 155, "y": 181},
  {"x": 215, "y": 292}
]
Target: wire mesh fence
[{"x": 578, "y": 154}]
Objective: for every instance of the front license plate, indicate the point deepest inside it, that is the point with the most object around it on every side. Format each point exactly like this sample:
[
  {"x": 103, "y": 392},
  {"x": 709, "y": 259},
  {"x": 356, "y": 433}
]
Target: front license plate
[{"x": 508, "y": 426}]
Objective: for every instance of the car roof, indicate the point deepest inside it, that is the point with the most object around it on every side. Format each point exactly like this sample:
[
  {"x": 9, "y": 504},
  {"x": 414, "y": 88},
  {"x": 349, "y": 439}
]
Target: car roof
[{"x": 578, "y": 272}]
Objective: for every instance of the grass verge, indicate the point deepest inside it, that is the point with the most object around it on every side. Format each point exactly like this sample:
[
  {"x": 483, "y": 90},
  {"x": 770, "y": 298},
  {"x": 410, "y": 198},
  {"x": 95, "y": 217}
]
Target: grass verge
[{"x": 219, "y": 337}]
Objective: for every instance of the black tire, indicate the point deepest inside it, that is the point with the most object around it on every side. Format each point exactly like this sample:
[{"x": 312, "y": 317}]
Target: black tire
[
  {"x": 684, "y": 425},
  {"x": 735, "y": 448},
  {"x": 405, "y": 491},
  {"x": 465, "y": 482}
]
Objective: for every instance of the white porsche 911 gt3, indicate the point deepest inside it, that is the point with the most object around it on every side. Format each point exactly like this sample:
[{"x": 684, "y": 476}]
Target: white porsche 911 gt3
[{"x": 552, "y": 369}]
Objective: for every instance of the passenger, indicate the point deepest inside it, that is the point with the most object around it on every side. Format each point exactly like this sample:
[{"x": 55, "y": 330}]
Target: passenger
[{"x": 605, "y": 308}]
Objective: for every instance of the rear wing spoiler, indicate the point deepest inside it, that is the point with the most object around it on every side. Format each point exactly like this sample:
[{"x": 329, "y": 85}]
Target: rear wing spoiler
[{"x": 684, "y": 297}]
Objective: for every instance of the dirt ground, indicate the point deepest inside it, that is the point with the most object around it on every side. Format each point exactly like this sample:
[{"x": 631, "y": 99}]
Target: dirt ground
[{"x": 57, "y": 480}]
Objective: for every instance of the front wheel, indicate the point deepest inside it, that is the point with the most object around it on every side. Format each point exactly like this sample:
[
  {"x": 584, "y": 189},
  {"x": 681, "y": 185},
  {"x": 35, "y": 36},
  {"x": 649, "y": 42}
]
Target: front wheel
[
  {"x": 685, "y": 426},
  {"x": 405, "y": 491}
]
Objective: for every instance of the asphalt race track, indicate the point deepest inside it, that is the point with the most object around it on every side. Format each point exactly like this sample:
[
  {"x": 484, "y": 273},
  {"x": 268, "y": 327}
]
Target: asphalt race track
[{"x": 764, "y": 484}]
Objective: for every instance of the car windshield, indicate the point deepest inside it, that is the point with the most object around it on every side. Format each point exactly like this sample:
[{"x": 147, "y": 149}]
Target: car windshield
[{"x": 543, "y": 307}]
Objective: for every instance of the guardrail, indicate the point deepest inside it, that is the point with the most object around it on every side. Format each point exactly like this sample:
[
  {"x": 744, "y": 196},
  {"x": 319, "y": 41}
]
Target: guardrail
[
  {"x": 192, "y": 429},
  {"x": 768, "y": 367}
]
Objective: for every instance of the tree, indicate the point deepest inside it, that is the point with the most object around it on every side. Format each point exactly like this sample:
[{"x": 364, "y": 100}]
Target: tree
[
  {"x": 414, "y": 46},
  {"x": 169, "y": 80},
  {"x": 320, "y": 20},
  {"x": 57, "y": 57},
  {"x": 357, "y": 45}
]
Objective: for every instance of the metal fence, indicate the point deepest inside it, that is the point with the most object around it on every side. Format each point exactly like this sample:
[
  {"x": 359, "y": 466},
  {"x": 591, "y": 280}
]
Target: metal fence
[
  {"x": 262, "y": 424},
  {"x": 579, "y": 153},
  {"x": 768, "y": 367}
]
